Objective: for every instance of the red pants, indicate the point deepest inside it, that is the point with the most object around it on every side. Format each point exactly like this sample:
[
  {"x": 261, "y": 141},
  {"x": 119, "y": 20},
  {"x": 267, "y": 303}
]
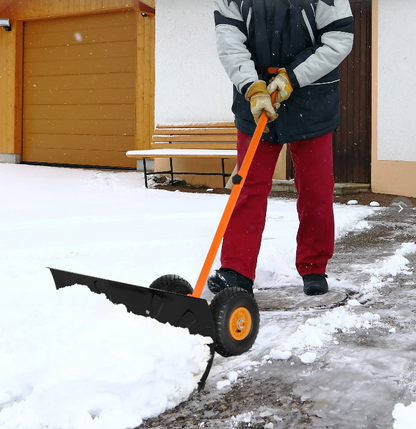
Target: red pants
[{"x": 314, "y": 181}]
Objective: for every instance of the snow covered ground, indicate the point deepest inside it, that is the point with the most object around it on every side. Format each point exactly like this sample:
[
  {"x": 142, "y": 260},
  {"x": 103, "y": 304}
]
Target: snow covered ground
[{"x": 71, "y": 359}]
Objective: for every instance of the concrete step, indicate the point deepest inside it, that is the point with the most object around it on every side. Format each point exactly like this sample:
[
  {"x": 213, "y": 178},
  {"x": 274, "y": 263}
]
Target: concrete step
[{"x": 340, "y": 188}]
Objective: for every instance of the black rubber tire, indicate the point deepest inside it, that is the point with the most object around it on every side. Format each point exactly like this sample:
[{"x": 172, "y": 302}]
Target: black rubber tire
[
  {"x": 172, "y": 283},
  {"x": 223, "y": 306}
]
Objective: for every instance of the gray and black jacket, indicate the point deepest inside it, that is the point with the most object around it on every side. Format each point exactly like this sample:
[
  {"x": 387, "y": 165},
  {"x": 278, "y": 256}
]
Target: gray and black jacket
[{"x": 309, "y": 38}]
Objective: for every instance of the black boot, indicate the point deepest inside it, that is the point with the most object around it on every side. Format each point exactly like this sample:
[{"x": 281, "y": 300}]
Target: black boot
[
  {"x": 315, "y": 284},
  {"x": 224, "y": 277}
]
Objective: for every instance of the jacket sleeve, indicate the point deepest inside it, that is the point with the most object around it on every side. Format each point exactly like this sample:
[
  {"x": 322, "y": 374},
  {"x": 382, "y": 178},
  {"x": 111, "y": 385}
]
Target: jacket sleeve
[
  {"x": 335, "y": 27},
  {"x": 231, "y": 35}
]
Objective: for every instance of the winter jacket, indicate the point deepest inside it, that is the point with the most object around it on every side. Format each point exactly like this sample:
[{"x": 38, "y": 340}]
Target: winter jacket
[{"x": 309, "y": 38}]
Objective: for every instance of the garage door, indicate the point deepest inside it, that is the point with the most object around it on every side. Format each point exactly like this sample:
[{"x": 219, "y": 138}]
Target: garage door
[{"x": 79, "y": 90}]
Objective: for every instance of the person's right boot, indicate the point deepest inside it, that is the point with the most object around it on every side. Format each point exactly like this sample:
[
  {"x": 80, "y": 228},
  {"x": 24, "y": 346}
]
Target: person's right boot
[{"x": 220, "y": 279}]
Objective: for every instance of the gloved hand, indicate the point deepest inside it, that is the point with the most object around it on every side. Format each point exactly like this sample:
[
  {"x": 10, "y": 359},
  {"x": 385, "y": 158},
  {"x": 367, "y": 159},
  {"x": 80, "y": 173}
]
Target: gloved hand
[
  {"x": 280, "y": 83},
  {"x": 260, "y": 100}
]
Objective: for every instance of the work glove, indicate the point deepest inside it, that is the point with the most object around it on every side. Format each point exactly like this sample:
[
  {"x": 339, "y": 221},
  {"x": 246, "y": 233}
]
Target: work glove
[
  {"x": 281, "y": 84},
  {"x": 260, "y": 100}
]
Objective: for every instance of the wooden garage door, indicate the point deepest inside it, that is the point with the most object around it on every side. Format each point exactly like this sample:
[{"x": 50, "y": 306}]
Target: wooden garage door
[{"x": 79, "y": 90}]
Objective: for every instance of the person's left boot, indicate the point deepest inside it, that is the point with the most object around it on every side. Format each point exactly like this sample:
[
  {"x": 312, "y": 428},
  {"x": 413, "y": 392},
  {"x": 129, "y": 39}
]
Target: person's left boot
[
  {"x": 225, "y": 277},
  {"x": 315, "y": 284}
]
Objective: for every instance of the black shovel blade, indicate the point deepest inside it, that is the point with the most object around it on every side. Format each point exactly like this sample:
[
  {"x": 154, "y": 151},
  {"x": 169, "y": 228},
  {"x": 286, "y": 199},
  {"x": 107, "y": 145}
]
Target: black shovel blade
[{"x": 178, "y": 310}]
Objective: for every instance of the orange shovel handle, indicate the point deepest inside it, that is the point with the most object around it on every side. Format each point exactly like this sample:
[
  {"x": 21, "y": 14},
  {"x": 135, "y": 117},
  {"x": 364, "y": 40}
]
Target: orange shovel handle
[{"x": 238, "y": 181}]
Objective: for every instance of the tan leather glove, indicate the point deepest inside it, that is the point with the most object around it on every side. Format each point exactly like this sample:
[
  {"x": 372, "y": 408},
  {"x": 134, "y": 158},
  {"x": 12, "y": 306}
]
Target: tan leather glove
[
  {"x": 282, "y": 84},
  {"x": 260, "y": 100}
]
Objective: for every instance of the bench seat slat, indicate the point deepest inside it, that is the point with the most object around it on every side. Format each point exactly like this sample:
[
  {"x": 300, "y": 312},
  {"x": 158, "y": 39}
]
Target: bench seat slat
[
  {"x": 196, "y": 131},
  {"x": 182, "y": 153},
  {"x": 191, "y": 125},
  {"x": 194, "y": 138},
  {"x": 194, "y": 145}
]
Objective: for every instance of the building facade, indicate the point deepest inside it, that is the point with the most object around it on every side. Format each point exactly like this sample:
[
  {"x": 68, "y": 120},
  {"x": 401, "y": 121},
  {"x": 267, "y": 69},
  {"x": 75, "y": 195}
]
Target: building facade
[{"x": 82, "y": 82}]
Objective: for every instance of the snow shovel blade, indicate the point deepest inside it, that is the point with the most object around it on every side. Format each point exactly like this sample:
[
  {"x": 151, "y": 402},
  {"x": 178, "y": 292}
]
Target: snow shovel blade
[{"x": 182, "y": 311}]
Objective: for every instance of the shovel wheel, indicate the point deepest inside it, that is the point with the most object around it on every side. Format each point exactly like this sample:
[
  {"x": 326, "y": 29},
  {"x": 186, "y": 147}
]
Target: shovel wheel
[
  {"x": 172, "y": 283},
  {"x": 236, "y": 319}
]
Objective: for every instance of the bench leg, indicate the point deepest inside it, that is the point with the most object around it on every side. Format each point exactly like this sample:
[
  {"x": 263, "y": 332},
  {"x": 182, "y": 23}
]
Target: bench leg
[
  {"x": 223, "y": 173},
  {"x": 171, "y": 170},
  {"x": 145, "y": 172}
]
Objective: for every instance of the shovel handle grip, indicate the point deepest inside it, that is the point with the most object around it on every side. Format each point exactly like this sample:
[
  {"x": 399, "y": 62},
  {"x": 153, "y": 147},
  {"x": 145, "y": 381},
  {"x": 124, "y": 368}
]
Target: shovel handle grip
[{"x": 232, "y": 200}]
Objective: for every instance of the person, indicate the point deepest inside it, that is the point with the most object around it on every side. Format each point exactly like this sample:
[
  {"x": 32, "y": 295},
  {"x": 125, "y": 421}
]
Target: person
[{"x": 304, "y": 41}]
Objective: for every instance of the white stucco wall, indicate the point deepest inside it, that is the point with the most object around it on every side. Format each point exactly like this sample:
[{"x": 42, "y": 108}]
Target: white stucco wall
[
  {"x": 396, "y": 80},
  {"x": 191, "y": 85}
]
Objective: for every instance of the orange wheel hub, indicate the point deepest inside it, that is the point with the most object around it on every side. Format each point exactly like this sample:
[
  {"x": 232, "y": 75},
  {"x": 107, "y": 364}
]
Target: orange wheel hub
[{"x": 240, "y": 323}]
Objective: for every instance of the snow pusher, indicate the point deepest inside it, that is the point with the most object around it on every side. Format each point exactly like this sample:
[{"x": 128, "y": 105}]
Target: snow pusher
[{"x": 231, "y": 319}]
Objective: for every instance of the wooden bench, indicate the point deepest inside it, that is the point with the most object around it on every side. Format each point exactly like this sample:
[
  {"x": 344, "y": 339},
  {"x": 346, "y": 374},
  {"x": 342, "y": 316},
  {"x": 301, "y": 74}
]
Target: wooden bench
[{"x": 215, "y": 141}]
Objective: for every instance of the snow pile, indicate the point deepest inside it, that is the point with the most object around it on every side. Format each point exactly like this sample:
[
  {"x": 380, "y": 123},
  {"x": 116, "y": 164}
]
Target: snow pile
[
  {"x": 73, "y": 359},
  {"x": 232, "y": 377},
  {"x": 242, "y": 418},
  {"x": 279, "y": 354},
  {"x": 308, "y": 358},
  {"x": 404, "y": 416},
  {"x": 397, "y": 264},
  {"x": 317, "y": 331},
  {"x": 388, "y": 267}
]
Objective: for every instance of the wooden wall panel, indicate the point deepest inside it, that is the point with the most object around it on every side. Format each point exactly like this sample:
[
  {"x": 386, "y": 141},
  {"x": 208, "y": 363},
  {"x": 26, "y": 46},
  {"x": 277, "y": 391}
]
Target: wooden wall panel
[
  {"x": 68, "y": 110},
  {"x": 7, "y": 42},
  {"x": 108, "y": 49},
  {"x": 10, "y": 90},
  {"x": 82, "y": 65},
  {"x": 57, "y": 96},
  {"x": 83, "y": 127},
  {"x": 108, "y": 111},
  {"x": 4, "y": 4},
  {"x": 145, "y": 83},
  {"x": 78, "y": 142},
  {"x": 38, "y": 9},
  {"x": 86, "y": 81},
  {"x": 76, "y": 157}
]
